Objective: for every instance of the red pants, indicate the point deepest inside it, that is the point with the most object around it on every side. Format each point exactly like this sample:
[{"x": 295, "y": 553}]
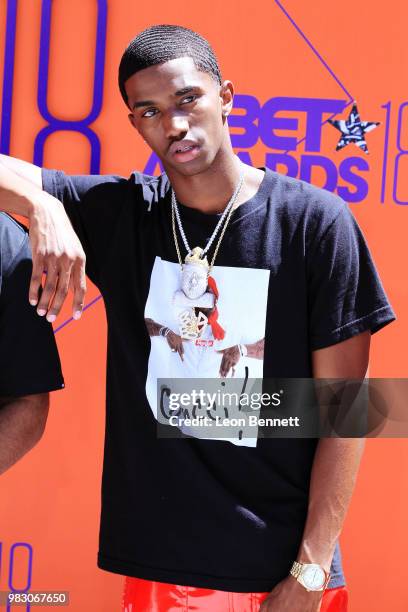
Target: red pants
[{"x": 147, "y": 596}]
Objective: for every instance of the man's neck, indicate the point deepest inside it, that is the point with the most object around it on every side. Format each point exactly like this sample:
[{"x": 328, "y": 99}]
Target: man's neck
[{"x": 209, "y": 191}]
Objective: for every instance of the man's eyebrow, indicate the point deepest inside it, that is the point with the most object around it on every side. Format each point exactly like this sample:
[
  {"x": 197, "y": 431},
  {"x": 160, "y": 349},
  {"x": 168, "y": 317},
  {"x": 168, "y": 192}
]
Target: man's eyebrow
[
  {"x": 185, "y": 90},
  {"x": 142, "y": 103},
  {"x": 180, "y": 92}
]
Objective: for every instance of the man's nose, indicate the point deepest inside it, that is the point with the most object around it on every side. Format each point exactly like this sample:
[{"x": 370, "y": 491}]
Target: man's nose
[{"x": 175, "y": 125}]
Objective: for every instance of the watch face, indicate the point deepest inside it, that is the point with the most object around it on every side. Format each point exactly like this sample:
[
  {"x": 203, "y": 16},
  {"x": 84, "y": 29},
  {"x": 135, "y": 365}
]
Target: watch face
[{"x": 313, "y": 577}]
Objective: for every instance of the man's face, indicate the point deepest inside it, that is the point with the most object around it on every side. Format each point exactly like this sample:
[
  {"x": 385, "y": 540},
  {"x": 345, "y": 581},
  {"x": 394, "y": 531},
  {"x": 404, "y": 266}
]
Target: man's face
[{"x": 178, "y": 111}]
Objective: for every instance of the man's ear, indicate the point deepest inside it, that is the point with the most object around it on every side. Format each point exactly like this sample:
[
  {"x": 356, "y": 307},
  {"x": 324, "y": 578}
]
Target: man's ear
[{"x": 227, "y": 97}]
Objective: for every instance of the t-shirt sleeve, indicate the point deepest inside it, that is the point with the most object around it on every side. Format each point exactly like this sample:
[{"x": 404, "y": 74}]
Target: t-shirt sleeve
[
  {"x": 29, "y": 361},
  {"x": 346, "y": 296},
  {"x": 93, "y": 204}
]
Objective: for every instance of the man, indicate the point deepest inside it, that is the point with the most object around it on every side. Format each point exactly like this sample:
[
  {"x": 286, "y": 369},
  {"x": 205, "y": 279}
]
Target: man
[
  {"x": 29, "y": 362},
  {"x": 208, "y": 522}
]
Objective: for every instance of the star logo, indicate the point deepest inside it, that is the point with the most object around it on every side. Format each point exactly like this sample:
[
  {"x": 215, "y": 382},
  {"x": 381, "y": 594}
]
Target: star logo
[{"x": 353, "y": 129}]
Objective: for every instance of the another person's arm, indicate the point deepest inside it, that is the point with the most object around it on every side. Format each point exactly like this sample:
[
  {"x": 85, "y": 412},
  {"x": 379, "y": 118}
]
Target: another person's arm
[
  {"x": 22, "y": 423},
  {"x": 29, "y": 362}
]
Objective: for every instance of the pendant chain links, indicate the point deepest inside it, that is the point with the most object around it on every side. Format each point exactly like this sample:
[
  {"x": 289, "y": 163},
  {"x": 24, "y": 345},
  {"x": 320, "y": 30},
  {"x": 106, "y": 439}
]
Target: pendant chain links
[{"x": 226, "y": 216}]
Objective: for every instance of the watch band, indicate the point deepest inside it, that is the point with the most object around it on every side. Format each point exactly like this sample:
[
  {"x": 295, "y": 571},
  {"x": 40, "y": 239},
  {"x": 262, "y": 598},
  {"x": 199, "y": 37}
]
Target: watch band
[{"x": 296, "y": 571}]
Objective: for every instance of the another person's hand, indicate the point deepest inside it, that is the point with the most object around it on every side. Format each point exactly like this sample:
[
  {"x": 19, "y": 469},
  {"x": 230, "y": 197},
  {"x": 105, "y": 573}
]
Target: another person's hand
[
  {"x": 56, "y": 250},
  {"x": 290, "y": 596},
  {"x": 230, "y": 358},
  {"x": 175, "y": 342}
]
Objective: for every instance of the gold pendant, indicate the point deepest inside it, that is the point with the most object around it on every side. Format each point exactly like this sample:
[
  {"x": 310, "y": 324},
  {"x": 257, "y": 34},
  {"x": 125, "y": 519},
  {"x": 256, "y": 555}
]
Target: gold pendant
[{"x": 191, "y": 326}]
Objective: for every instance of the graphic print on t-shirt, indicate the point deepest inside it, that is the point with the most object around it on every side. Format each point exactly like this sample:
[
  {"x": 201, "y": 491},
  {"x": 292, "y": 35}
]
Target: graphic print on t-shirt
[{"x": 241, "y": 308}]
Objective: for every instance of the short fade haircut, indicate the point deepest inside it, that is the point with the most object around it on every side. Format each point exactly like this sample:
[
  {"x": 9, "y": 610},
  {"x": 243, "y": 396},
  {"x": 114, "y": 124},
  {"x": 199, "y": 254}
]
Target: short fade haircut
[{"x": 161, "y": 43}]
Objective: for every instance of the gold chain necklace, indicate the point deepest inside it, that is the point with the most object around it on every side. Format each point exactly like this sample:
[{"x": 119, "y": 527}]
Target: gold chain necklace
[
  {"x": 197, "y": 251},
  {"x": 198, "y": 289}
]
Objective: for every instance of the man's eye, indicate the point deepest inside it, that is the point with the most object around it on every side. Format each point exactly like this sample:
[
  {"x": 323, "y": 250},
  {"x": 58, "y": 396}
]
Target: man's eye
[
  {"x": 149, "y": 112},
  {"x": 188, "y": 99}
]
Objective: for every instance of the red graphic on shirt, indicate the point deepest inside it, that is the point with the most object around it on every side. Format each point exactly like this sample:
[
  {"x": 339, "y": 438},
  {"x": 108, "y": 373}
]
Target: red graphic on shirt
[{"x": 200, "y": 342}]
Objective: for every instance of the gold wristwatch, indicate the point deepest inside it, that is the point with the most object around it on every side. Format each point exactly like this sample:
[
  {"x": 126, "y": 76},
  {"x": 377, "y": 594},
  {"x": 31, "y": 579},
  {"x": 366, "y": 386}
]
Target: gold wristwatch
[{"x": 310, "y": 575}]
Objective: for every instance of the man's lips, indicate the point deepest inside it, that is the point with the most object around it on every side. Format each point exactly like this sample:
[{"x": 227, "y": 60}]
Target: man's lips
[
  {"x": 184, "y": 151},
  {"x": 182, "y": 146}
]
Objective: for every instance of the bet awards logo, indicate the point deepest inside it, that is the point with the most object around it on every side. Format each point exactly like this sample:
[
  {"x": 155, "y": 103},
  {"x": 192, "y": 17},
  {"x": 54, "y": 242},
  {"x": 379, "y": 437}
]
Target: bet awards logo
[{"x": 290, "y": 132}]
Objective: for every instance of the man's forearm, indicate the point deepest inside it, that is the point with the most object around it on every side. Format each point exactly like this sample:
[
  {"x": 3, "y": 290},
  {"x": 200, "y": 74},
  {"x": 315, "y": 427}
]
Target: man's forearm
[
  {"x": 55, "y": 247},
  {"x": 22, "y": 422},
  {"x": 17, "y": 194},
  {"x": 334, "y": 473}
]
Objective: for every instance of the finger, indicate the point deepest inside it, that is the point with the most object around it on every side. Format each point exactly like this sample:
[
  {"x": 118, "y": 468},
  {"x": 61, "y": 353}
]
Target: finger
[
  {"x": 227, "y": 366},
  {"x": 48, "y": 291},
  {"x": 180, "y": 351},
  {"x": 230, "y": 366},
  {"x": 60, "y": 295},
  {"x": 233, "y": 372},
  {"x": 35, "y": 283},
  {"x": 79, "y": 285}
]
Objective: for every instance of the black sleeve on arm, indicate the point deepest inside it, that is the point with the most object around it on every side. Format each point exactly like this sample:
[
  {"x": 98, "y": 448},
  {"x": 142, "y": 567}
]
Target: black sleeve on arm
[
  {"x": 29, "y": 361},
  {"x": 93, "y": 204},
  {"x": 346, "y": 296}
]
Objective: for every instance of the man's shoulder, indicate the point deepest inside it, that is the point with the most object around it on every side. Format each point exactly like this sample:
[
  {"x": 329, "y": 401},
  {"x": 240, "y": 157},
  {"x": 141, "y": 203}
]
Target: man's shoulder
[
  {"x": 298, "y": 193},
  {"x": 13, "y": 243},
  {"x": 300, "y": 201},
  {"x": 134, "y": 178},
  {"x": 105, "y": 186},
  {"x": 156, "y": 184}
]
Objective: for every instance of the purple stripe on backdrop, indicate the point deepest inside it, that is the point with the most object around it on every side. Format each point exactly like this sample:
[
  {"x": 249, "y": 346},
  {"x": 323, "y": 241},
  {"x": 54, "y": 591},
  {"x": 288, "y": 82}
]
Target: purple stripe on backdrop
[
  {"x": 65, "y": 323},
  {"x": 315, "y": 51},
  {"x": 8, "y": 76}
]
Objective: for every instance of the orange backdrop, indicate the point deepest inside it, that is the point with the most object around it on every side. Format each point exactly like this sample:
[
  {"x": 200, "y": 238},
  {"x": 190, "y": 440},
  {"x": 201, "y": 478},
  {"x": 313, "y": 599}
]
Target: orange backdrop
[{"x": 295, "y": 49}]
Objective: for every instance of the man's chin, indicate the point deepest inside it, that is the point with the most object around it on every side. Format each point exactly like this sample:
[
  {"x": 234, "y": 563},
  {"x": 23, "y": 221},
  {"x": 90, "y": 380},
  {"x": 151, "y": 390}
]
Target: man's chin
[
  {"x": 185, "y": 169},
  {"x": 190, "y": 168}
]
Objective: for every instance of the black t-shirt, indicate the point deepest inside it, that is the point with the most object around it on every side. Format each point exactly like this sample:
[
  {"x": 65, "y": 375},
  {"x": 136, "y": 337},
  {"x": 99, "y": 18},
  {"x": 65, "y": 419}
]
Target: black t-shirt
[
  {"x": 293, "y": 274},
  {"x": 29, "y": 361}
]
